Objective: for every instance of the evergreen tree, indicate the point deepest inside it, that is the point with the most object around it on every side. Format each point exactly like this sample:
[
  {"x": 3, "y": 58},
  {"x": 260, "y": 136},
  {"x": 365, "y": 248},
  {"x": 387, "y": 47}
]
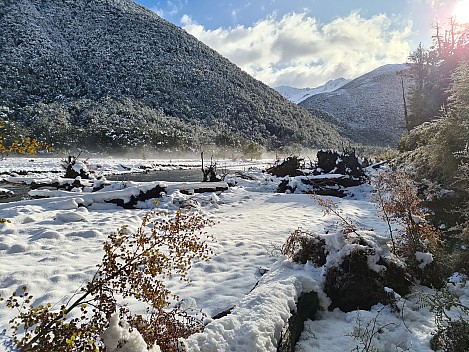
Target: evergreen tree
[
  {"x": 431, "y": 71},
  {"x": 440, "y": 147}
]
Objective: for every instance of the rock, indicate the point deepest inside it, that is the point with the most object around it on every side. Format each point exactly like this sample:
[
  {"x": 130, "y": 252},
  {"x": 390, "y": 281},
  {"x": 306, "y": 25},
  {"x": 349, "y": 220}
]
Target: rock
[
  {"x": 354, "y": 285},
  {"x": 306, "y": 308}
]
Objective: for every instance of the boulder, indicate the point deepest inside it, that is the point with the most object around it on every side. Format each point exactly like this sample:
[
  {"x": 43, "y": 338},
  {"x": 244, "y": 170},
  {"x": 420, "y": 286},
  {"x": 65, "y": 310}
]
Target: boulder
[
  {"x": 306, "y": 308},
  {"x": 354, "y": 285}
]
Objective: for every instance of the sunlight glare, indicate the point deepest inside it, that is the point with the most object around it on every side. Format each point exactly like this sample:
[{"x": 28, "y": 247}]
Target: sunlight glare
[{"x": 461, "y": 11}]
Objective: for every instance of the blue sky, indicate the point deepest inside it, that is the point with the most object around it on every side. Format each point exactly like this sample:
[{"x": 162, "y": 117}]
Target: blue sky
[{"x": 305, "y": 43}]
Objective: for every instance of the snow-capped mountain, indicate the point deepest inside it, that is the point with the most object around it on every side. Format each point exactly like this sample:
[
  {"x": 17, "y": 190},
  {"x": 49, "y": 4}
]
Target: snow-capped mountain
[
  {"x": 117, "y": 73},
  {"x": 297, "y": 95},
  {"x": 369, "y": 109}
]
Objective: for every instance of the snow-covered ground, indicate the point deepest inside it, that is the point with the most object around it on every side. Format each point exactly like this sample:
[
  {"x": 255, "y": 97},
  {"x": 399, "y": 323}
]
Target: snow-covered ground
[{"x": 53, "y": 245}]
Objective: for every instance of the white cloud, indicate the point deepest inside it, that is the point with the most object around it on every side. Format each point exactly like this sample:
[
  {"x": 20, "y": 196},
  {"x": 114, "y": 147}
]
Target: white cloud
[
  {"x": 299, "y": 51},
  {"x": 159, "y": 11}
]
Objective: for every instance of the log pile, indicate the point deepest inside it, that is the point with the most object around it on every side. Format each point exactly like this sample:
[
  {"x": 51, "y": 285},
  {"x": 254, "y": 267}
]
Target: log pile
[{"x": 333, "y": 174}]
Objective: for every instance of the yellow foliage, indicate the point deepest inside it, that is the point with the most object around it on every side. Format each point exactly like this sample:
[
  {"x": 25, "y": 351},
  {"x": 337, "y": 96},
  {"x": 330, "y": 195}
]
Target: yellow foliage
[
  {"x": 26, "y": 145},
  {"x": 135, "y": 267}
]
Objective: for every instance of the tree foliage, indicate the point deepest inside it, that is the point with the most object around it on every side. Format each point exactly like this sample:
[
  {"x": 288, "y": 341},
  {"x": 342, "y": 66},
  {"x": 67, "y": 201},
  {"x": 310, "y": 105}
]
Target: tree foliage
[
  {"x": 432, "y": 69},
  {"x": 55, "y": 55},
  {"x": 252, "y": 150},
  {"x": 436, "y": 148},
  {"x": 22, "y": 145}
]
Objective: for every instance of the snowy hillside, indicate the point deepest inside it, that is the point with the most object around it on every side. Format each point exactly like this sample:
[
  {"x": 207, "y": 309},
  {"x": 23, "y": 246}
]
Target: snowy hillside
[
  {"x": 124, "y": 77},
  {"x": 297, "y": 95},
  {"x": 369, "y": 109}
]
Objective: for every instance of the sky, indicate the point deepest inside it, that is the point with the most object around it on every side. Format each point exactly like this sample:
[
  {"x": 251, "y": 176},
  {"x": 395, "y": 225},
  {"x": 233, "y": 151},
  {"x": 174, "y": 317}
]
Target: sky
[{"x": 305, "y": 43}]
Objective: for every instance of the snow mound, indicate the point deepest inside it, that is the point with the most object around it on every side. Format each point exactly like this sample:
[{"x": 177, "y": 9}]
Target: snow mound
[
  {"x": 118, "y": 338},
  {"x": 256, "y": 323}
]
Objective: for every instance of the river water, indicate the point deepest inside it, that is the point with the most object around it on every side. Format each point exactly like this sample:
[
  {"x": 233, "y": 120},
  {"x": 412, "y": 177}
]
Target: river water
[{"x": 177, "y": 175}]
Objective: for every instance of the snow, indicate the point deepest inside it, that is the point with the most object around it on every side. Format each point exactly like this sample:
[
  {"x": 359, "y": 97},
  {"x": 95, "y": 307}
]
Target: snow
[
  {"x": 6, "y": 192},
  {"x": 424, "y": 259},
  {"x": 117, "y": 338},
  {"x": 362, "y": 118},
  {"x": 297, "y": 95},
  {"x": 52, "y": 246}
]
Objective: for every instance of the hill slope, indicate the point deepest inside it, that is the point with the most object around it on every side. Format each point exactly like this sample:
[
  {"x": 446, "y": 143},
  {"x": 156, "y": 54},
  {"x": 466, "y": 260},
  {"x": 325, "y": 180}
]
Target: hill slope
[
  {"x": 116, "y": 73},
  {"x": 369, "y": 109}
]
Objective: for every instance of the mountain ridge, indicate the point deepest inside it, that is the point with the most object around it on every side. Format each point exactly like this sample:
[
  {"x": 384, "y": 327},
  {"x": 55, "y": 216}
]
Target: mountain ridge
[
  {"x": 297, "y": 95},
  {"x": 369, "y": 109}
]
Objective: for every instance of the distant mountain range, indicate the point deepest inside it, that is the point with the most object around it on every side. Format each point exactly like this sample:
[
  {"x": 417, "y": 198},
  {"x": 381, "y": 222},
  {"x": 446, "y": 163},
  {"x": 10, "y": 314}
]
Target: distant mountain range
[
  {"x": 297, "y": 95},
  {"x": 110, "y": 74},
  {"x": 369, "y": 109}
]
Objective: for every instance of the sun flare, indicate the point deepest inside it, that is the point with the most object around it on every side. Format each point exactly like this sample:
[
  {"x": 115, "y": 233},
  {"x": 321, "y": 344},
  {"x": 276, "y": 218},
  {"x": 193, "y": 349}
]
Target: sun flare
[{"x": 461, "y": 11}]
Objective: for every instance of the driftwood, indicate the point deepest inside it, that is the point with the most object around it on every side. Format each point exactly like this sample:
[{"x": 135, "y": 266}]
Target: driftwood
[
  {"x": 323, "y": 186},
  {"x": 289, "y": 167},
  {"x": 129, "y": 197},
  {"x": 339, "y": 193},
  {"x": 28, "y": 172},
  {"x": 142, "y": 196},
  {"x": 6, "y": 193},
  {"x": 66, "y": 184},
  {"x": 208, "y": 188},
  {"x": 331, "y": 182},
  {"x": 71, "y": 171},
  {"x": 210, "y": 172},
  {"x": 223, "y": 313},
  {"x": 244, "y": 176},
  {"x": 345, "y": 163},
  {"x": 333, "y": 163}
]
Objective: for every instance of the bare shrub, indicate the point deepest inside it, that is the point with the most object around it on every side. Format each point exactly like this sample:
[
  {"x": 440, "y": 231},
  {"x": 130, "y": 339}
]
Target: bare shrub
[
  {"x": 302, "y": 246},
  {"x": 134, "y": 268},
  {"x": 398, "y": 201},
  {"x": 329, "y": 207},
  {"x": 364, "y": 334}
]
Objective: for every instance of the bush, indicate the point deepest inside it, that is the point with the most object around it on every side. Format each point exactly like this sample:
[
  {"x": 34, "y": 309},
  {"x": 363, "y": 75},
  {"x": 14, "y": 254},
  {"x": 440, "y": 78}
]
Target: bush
[
  {"x": 134, "y": 267},
  {"x": 354, "y": 285},
  {"x": 453, "y": 338},
  {"x": 302, "y": 246},
  {"x": 452, "y": 334},
  {"x": 397, "y": 199}
]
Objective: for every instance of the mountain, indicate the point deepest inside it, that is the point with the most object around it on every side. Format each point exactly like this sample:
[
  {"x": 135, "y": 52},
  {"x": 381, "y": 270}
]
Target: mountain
[
  {"x": 297, "y": 95},
  {"x": 105, "y": 74},
  {"x": 369, "y": 109}
]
